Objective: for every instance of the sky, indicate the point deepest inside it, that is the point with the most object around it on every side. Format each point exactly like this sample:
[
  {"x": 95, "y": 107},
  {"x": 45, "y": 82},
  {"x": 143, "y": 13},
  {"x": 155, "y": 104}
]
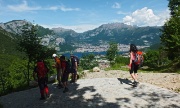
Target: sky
[{"x": 84, "y": 15}]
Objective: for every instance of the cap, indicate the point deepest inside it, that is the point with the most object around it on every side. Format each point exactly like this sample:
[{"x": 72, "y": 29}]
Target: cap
[{"x": 54, "y": 55}]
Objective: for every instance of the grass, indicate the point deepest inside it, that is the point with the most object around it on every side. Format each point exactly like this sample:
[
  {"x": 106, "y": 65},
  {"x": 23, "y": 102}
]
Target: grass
[
  {"x": 177, "y": 90},
  {"x": 171, "y": 68}
]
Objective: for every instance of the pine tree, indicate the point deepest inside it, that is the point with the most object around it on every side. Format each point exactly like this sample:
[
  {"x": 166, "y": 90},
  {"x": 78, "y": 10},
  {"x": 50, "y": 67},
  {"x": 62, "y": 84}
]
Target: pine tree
[{"x": 170, "y": 38}]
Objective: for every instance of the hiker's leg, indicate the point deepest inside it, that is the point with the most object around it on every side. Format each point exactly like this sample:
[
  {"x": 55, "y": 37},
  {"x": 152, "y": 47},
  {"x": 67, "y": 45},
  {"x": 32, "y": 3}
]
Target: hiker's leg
[
  {"x": 131, "y": 71},
  {"x": 65, "y": 79},
  {"x": 73, "y": 75},
  {"x": 58, "y": 76},
  {"x": 135, "y": 72},
  {"x": 46, "y": 89},
  {"x": 41, "y": 87},
  {"x": 133, "y": 76}
]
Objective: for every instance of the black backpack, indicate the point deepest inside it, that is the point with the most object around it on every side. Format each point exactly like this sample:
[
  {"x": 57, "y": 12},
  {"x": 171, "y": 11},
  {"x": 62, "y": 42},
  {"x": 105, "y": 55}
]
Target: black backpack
[{"x": 75, "y": 57}]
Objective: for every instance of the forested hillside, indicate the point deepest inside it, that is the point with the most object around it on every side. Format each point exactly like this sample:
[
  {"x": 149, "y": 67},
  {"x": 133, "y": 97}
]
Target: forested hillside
[{"x": 8, "y": 44}]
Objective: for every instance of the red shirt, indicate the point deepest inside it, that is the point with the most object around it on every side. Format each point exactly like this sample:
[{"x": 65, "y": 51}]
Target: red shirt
[{"x": 63, "y": 64}]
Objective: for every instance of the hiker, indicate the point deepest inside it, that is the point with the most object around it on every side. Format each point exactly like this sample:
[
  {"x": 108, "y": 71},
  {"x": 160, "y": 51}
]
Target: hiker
[
  {"x": 65, "y": 72},
  {"x": 40, "y": 75},
  {"x": 57, "y": 65},
  {"x": 132, "y": 66},
  {"x": 74, "y": 67}
]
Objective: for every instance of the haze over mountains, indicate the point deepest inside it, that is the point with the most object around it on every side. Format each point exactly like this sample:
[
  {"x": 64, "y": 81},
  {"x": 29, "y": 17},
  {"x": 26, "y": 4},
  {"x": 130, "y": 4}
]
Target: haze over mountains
[{"x": 67, "y": 39}]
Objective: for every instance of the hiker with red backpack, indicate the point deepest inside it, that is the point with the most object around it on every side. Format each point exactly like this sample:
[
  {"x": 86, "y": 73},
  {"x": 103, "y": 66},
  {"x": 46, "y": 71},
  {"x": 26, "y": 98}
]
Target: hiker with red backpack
[
  {"x": 136, "y": 60},
  {"x": 65, "y": 65},
  {"x": 40, "y": 75}
]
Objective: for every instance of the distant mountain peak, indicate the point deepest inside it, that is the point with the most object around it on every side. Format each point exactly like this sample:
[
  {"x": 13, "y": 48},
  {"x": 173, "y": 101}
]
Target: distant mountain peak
[
  {"x": 14, "y": 26},
  {"x": 116, "y": 25},
  {"x": 61, "y": 30}
]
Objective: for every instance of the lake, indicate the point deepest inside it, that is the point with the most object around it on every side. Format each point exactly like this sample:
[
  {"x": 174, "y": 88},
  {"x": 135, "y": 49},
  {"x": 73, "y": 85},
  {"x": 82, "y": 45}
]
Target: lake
[{"x": 80, "y": 54}]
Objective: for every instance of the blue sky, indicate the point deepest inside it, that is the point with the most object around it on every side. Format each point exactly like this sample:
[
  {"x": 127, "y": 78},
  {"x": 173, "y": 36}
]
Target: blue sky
[{"x": 83, "y": 15}]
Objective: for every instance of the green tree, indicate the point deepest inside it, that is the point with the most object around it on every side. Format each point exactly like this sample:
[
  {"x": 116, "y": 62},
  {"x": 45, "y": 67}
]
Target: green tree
[
  {"x": 88, "y": 61},
  {"x": 122, "y": 60},
  {"x": 155, "y": 58},
  {"x": 17, "y": 73},
  {"x": 30, "y": 44},
  {"x": 151, "y": 58},
  {"x": 170, "y": 38},
  {"x": 112, "y": 52},
  {"x": 5, "y": 63}
]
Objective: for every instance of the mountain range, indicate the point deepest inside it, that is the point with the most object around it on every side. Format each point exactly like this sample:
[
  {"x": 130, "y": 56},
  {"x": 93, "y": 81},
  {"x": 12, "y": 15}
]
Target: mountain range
[{"x": 67, "y": 39}]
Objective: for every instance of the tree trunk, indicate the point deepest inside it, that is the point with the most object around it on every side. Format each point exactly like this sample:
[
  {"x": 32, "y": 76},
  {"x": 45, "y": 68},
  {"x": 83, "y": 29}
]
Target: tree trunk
[{"x": 28, "y": 73}]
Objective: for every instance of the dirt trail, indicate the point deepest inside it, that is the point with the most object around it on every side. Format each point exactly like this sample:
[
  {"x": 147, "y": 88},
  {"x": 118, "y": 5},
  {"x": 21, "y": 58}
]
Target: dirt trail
[
  {"x": 170, "y": 81},
  {"x": 103, "y": 89}
]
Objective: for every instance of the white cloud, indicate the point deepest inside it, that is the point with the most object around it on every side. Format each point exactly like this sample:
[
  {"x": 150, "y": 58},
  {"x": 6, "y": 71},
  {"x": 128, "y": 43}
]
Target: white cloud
[
  {"x": 77, "y": 28},
  {"x": 22, "y": 7},
  {"x": 116, "y": 5},
  {"x": 146, "y": 17},
  {"x": 63, "y": 8},
  {"x": 123, "y": 13},
  {"x": 53, "y": 8}
]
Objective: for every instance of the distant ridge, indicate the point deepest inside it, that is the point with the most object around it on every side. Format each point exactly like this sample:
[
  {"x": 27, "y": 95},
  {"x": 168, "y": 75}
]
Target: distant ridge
[{"x": 63, "y": 39}]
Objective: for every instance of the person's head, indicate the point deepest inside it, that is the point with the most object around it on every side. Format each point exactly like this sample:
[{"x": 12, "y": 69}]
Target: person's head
[
  {"x": 133, "y": 48},
  {"x": 54, "y": 55},
  {"x": 62, "y": 58}
]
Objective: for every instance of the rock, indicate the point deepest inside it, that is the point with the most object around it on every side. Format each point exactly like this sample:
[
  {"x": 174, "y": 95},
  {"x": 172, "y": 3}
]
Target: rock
[
  {"x": 52, "y": 78},
  {"x": 96, "y": 69},
  {"x": 33, "y": 83}
]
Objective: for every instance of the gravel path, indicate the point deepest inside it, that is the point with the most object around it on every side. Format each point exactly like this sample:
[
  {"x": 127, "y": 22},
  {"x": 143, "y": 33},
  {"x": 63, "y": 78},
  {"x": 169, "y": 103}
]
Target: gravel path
[{"x": 96, "y": 93}]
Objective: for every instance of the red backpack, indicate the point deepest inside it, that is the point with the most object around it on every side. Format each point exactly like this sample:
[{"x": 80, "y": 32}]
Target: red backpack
[
  {"x": 41, "y": 69},
  {"x": 139, "y": 59}
]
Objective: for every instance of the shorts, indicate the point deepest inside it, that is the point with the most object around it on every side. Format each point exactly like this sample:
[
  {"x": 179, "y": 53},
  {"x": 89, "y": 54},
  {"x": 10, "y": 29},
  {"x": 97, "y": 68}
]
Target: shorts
[
  {"x": 42, "y": 82},
  {"x": 65, "y": 77},
  {"x": 73, "y": 71},
  {"x": 134, "y": 68}
]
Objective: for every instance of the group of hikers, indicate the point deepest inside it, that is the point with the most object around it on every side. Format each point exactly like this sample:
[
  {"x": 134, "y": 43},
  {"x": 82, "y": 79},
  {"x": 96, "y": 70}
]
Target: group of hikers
[{"x": 63, "y": 67}]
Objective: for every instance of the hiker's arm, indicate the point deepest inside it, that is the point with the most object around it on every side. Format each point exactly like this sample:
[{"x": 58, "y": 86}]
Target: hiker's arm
[
  {"x": 76, "y": 65},
  {"x": 130, "y": 61},
  {"x": 131, "y": 57}
]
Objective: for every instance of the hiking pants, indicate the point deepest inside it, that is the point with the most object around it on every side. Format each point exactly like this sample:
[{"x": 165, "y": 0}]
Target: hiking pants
[{"x": 42, "y": 82}]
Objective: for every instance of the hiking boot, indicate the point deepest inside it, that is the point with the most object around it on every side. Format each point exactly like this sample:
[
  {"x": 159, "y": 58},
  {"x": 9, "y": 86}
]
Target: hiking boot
[
  {"x": 65, "y": 90},
  {"x": 60, "y": 86},
  {"x": 135, "y": 83}
]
